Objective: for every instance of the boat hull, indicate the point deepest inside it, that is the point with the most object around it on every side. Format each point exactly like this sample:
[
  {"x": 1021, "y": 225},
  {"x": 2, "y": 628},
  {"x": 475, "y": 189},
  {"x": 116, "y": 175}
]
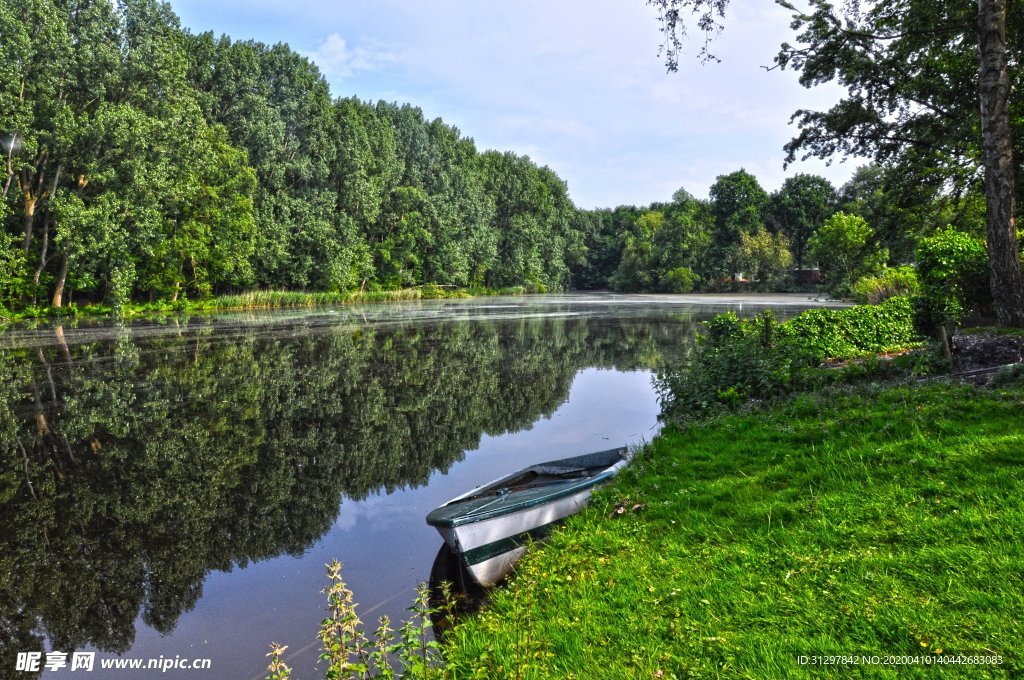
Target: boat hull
[
  {"x": 491, "y": 547},
  {"x": 489, "y": 543}
]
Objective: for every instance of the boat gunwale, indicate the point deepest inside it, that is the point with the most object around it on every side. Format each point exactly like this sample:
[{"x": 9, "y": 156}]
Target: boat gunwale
[{"x": 509, "y": 505}]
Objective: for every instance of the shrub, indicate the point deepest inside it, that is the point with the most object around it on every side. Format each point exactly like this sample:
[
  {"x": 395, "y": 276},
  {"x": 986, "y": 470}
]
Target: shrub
[
  {"x": 679, "y": 280},
  {"x": 891, "y": 282},
  {"x": 734, "y": 362},
  {"x": 738, "y": 360},
  {"x": 843, "y": 333},
  {"x": 845, "y": 250},
  {"x": 953, "y": 269}
]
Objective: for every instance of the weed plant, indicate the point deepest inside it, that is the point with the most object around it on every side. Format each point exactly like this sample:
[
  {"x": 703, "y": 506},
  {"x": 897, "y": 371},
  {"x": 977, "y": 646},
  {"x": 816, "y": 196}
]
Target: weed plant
[{"x": 349, "y": 653}]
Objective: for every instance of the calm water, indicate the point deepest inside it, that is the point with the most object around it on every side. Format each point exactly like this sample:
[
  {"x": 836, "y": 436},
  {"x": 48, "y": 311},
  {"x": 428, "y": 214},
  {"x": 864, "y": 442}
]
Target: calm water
[{"x": 175, "y": 488}]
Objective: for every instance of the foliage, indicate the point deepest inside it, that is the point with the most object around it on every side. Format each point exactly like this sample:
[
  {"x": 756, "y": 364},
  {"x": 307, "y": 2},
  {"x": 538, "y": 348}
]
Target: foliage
[
  {"x": 344, "y": 642},
  {"x": 913, "y": 73},
  {"x": 890, "y": 282},
  {"x": 844, "y": 249},
  {"x": 952, "y": 267},
  {"x": 848, "y": 519},
  {"x": 662, "y": 248},
  {"x": 144, "y": 163},
  {"x": 678, "y": 280},
  {"x": 738, "y": 206},
  {"x": 740, "y": 360},
  {"x": 764, "y": 258},
  {"x": 799, "y": 208},
  {"x": 734, "y": 362},
  {"x": 843, "y": 333}
]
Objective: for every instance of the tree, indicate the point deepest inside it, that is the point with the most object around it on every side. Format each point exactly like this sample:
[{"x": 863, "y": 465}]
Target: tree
[
  {"x": 799, "y": 208},
  {"x": 764, "y": 257},
  {"x": 915, "y": 74},
  {"x": 738, "y": 204},
  {"x": 845, "y": 251},
  {"x": 929, "y": 88}
]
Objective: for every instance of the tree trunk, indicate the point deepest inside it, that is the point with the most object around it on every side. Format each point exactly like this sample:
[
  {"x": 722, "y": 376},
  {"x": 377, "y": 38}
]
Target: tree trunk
[
  {"x": 10, "y": 165},
  {"x": 62, "y": 278},
  {"x": 27, "y": 219},
  {"x": 1005, "y": 277},
  {"x": 42, "y": 258}
]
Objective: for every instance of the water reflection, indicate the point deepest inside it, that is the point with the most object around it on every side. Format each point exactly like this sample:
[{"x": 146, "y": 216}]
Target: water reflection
[{"x": 137, "y": 460}]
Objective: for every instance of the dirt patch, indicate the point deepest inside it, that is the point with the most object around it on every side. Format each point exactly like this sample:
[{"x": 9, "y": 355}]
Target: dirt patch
[{"x": 975, "y": 351}]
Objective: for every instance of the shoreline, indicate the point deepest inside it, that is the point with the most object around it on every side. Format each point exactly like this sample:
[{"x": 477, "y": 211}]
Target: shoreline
[{"x": 876, "y": 520}]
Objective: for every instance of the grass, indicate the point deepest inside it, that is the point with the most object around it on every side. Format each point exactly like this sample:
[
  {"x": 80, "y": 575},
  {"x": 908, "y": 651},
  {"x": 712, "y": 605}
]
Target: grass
[
  {"x": 876, "y": 521},
  {"x": 991, "y": 330}
]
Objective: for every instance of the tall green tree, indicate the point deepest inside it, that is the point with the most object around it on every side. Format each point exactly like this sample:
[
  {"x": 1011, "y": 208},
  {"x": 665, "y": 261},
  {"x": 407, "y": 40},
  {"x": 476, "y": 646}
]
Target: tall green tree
[
  {"x": 845, "y": 250},
  {"x": 799, "y": 208},
  {"x": 738, "y": 205},
  {"x": 929, "y": 87},
  {"x": 928, "y": 93}
]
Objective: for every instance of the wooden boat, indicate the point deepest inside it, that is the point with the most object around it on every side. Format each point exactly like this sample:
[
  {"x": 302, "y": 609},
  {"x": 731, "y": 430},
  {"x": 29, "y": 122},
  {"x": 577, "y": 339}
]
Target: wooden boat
[{"x": 489, "y": 526}]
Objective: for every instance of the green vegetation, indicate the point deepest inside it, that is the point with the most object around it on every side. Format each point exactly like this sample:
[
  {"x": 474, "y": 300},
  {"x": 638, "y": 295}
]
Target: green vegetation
[
  {"x": 348, "y": 651},
  {"x": 876, "y": 521},
  {"x": 149, "y": 168},
  {"x": 845, "y": 249},
  {"x": 739, "y": 360},
  {"x": 913, "y": 73},
  {"x": 954, "y": 279},
  {"x": 143, "y": 164},
  {"x": 874, "y": 289}
]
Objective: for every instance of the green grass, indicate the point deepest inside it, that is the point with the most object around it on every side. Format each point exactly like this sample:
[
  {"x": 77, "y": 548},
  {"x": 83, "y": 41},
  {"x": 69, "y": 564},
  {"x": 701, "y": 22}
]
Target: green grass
[
  {"x": 869, "y": 522},
  {"x": 991, "y": 330}
]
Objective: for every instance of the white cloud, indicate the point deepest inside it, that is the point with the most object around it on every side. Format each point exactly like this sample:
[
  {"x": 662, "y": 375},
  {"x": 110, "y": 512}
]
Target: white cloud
[
  {"x": 577, "y": 84},
  {"x": 338, "y": 61}
]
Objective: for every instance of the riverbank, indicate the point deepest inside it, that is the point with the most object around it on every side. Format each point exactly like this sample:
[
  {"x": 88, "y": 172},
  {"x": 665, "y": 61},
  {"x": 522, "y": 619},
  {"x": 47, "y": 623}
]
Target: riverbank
[
  {"x": 876, "y": 521},
  {"x": 260, "y": 299}
]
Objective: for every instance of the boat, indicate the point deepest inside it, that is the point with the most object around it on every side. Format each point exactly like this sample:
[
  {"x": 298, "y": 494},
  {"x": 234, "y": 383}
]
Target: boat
[{"x": 490, "y": 526}]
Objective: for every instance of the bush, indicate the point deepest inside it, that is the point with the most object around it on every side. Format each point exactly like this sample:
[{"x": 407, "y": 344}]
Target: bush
[
  {"x": 953, "y": 269},
  {"x": 679, "y": 280},
  {"x": 738, "y": 360},
  {"x": 890, "y": 282},
  {"x": 734, "y": 362},
  {"x": 845, "y": 250},
  {"x": 843, "y": 333}
]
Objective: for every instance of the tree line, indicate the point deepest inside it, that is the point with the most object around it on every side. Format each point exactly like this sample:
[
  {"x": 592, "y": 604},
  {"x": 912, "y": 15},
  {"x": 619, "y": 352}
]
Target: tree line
[
  {"x": 143, "y": 162},
  {"x": 928, "y": 95},
  {"x": 744, "y": 235}
]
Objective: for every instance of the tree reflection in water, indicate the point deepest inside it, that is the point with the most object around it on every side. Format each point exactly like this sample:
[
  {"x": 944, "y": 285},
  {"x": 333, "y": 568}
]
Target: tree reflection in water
[{"x": 134, "y": 463}]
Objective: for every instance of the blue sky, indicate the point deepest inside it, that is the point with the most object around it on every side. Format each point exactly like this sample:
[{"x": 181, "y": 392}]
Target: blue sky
[{"x": 575, "y": 84}]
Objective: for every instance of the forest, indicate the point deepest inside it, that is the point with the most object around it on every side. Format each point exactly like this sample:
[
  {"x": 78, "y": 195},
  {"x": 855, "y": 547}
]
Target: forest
[{"x": 145, "y": 163}]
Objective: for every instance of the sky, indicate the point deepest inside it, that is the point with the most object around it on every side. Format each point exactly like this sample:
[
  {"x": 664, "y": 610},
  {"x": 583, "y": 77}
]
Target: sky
[{"x": 576, "y": 85}]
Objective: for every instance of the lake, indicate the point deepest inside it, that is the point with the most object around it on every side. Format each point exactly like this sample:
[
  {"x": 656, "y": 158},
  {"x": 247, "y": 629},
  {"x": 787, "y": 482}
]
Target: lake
[{"x": 174, "y": 488}]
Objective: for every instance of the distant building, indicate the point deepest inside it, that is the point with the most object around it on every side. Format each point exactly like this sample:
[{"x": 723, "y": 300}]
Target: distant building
[{"x": 807, "y": 275}]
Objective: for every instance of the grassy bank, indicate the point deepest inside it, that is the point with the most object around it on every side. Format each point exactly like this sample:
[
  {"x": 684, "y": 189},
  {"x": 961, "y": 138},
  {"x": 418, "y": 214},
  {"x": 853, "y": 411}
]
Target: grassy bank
[
  {"x": 871, "y": 522},
  {"x": 260, "y": 299}
]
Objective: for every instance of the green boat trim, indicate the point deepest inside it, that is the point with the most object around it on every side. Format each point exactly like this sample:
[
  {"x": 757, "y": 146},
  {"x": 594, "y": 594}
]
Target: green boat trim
[
  {"x": 457, "y": 514},
  {"x": 507, "y": 544}
]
